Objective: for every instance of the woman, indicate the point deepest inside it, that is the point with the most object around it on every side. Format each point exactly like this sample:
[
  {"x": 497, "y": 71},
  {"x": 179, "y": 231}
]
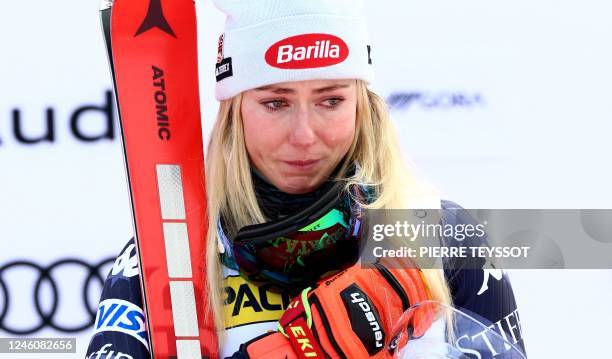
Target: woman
[{"x": 298, "y": 132}]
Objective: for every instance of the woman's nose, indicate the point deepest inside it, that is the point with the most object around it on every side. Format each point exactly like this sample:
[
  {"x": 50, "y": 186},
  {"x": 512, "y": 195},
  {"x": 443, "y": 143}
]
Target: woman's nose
[{"x": 302, "y": 132}]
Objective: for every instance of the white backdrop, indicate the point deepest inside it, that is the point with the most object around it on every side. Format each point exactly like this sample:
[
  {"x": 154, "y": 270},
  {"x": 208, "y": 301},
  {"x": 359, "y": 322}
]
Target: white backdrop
[{"x": 499, "y": 104}]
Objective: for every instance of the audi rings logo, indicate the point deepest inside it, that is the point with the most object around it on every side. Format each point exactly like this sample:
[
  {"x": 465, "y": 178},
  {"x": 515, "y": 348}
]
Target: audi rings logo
[{"x": 34, "y": 297}]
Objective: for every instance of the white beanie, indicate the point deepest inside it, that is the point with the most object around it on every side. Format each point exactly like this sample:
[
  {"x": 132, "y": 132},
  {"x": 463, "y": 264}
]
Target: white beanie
[{"x": 272, "y": 41}]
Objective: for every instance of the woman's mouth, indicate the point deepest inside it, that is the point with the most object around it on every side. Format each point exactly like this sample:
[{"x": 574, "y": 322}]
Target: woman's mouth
[{"x": 302, "y": 164}]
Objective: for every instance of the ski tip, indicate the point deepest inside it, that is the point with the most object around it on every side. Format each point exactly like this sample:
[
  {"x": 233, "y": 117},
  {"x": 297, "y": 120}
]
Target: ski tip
[{"x": 106, "y": 4}]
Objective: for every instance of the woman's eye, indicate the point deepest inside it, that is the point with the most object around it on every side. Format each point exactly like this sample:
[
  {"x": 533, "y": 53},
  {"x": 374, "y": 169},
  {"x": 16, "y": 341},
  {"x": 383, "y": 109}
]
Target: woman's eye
[
  {"x": 332, "y": 103},
  {"x": 274, "y": 105}
]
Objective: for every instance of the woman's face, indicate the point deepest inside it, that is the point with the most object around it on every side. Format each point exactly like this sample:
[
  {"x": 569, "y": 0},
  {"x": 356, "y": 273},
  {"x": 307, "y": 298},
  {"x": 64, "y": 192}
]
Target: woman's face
[{"x": 296, "y": 133}]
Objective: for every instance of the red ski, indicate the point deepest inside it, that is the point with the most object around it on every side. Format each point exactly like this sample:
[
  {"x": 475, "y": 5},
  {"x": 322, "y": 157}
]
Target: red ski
[{"x": 153, "y": 53}]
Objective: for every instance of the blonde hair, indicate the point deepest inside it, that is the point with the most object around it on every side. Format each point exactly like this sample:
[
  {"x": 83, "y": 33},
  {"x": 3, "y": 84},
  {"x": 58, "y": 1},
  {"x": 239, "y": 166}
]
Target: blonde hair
[{"x": 230, "y": 189}]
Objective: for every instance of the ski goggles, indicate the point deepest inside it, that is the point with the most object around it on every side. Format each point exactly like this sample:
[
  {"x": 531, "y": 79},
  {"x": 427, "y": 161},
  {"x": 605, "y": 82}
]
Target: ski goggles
[{"x": 297, "y": 251}]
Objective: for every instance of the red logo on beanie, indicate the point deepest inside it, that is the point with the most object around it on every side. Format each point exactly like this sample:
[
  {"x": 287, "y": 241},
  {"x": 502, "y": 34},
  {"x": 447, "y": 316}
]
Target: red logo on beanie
[{"x": 307, "y": 51}]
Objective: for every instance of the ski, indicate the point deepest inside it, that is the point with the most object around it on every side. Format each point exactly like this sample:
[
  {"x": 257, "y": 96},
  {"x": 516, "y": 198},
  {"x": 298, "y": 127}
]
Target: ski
[{"x": 152, "y": 51}]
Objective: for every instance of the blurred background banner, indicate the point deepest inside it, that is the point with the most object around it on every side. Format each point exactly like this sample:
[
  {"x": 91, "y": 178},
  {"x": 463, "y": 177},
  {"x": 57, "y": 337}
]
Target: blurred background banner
[{"x": 498, "y": 104}]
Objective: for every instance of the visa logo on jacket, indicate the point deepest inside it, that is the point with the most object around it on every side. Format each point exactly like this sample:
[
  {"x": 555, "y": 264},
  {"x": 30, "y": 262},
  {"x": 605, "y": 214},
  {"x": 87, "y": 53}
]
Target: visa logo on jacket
[{"x": 116, "y": 315}]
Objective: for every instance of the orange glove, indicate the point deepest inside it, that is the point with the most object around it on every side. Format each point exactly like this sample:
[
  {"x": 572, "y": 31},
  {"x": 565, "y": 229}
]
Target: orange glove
[{"x": 348, "y": 315}]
